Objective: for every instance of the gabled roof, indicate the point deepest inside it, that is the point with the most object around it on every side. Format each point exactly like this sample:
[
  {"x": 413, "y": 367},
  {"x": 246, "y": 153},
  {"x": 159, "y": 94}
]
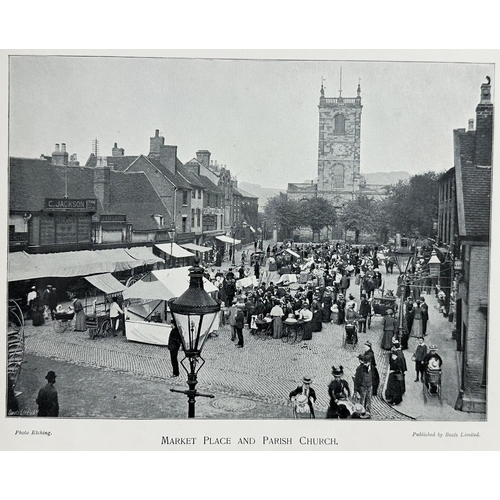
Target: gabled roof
[
  {"x": 33, "y": 180},
  {"x": 473, "y": 185},
  {"x": 120, "y": 163},
  {"x": 132, "y": 194},
  {"x": 189, "y": 176},
  {"x": 176, "y": 180},
  {"x": 210, "y": 186}
]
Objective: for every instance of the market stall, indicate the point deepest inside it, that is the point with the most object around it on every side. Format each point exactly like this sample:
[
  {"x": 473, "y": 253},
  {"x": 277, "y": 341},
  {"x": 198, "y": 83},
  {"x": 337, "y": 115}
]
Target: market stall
[{"x": 147, "y": 316}]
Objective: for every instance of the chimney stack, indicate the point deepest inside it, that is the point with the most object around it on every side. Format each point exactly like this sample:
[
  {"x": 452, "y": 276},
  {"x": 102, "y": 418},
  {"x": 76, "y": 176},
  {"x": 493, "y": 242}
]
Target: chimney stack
[
  {"x": 116, "y": 151},
  {"x": 102, "y": 177},
  {"x": 155, "y": 144},
  {"x": 203, "y": 156},
  {"x": 484, "y": 127},
  {"x": 59, "y": 156}
]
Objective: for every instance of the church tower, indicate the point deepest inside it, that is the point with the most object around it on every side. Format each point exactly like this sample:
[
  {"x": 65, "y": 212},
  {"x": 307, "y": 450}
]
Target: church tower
[{"x": 339, "y": 146}]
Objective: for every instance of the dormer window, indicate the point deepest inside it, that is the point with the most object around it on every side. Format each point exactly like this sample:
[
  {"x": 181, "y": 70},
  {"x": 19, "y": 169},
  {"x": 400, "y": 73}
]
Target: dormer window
[{"x": 159, "y": 219}]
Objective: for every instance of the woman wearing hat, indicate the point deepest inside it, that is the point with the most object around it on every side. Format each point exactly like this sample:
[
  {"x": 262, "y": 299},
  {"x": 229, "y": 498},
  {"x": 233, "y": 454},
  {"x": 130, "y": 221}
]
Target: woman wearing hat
[
  {"x": 277, "y": 315},
  {"x": 303, "y": 398},
  {"x": 417, "y": 329},
  {"x": 393, "y": 391},
  {"x": 389, "y": 325},
  {"x": 339, "y": 393}
]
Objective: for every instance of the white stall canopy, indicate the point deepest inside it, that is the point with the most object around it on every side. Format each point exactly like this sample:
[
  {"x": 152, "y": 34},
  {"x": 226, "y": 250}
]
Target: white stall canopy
[
  {"x": 196, "y": 248},
  {"x": 24, "y": 266},
  {"x": 228, "y": 239},
  {"x": 174, "y": 250},
  {"x": 164, "y": 284},
  {"x": 107, "y": 283}
]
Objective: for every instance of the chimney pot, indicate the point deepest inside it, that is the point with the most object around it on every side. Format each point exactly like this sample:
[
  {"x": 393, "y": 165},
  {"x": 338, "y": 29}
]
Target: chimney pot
[
  {"x": 63, "y": 147},
  {"x": 157, "y": 133},
  {"x": 116, "y": 144},
  {"x": 57, "y": 147},
  {"x": 471, "y": 124}
]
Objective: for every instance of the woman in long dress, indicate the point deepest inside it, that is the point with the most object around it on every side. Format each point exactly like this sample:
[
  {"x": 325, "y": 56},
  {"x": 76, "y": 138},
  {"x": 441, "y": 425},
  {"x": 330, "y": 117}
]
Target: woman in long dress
[
  {"x": 389, "y": 324},
  {"x": 80, "y": 318},
  {"x": 317, "y": 323},
  {"x": 393, "y": 392},
  {"x": 417, "y": 330},
  {"x": 277, "y": 315}
]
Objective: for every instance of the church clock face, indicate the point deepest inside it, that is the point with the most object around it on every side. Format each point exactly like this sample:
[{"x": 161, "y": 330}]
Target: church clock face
[{"x": 339, "y": 149}]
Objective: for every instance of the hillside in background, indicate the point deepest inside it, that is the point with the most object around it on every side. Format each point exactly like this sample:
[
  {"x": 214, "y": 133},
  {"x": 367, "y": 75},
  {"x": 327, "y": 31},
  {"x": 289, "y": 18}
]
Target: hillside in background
[
  {"x": 386, "y": 178},
  {"x": 262, "y": 192},
  {"x": 381, "y": 178}
]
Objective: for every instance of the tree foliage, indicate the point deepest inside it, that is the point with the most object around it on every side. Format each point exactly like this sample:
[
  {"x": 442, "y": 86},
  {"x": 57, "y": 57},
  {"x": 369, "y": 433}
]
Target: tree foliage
[
  {"x": 360, "y": 215},
  {"x": 317, "y": 213},
  {"x": 285, "y": 213},
  {"x": 412, "y": 205}
]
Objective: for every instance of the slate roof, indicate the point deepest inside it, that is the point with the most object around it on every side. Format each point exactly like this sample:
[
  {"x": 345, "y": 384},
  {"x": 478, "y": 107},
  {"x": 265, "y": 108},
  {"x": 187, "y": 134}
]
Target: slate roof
[
  {"x": 120, "y": 163},
  {"x": 33, "y": 180},
  {"x": 192, "y": 178},
  {"x": 476, "y": 187},
  {"x": 176, "y": 180},
  {"x": 131, "y": 194},
  {"x": 210, "y": 186}
]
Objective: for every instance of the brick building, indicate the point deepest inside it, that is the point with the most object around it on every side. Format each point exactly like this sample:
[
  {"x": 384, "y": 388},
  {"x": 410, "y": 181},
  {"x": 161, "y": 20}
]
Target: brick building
[{"x": 464, "y": 226}]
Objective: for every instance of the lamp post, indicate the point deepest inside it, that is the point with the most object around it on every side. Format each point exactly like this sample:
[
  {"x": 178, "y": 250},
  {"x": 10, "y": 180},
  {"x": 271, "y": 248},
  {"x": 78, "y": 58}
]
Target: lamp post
[
  {"x": 172, "y": 243},
  {"x": 196, "y": 315},
  {"x": 232, "y": 259}
]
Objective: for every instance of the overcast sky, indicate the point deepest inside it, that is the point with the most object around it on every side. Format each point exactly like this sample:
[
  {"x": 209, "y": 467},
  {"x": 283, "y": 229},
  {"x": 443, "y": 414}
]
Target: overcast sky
[{"x": 258, "y": 117}]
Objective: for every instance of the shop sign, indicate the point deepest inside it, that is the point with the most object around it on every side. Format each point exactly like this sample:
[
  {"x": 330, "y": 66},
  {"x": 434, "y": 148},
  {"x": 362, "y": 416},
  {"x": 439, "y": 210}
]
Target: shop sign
[{"x": 73, "y": 205}]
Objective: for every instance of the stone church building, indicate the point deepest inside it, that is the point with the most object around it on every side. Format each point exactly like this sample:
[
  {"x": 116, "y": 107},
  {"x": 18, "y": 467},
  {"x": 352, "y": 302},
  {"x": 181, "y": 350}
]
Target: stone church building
[{"x": 339, "y": 146}]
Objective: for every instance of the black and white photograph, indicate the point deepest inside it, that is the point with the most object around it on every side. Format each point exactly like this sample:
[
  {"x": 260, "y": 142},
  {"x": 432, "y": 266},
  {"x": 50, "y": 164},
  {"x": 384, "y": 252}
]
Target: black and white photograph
[{"x": 249, "y": 242}]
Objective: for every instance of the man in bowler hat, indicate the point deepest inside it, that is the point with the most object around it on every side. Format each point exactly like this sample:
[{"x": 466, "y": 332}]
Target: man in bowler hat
[{"x": 48, "y": 404}]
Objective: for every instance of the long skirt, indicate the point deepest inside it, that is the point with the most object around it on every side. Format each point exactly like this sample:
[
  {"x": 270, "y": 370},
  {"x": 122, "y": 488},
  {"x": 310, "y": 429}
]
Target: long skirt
[
  {"x": 80, "y": 325},
  {"x": 376, "y": 380},
  {"x": 317, "y": 324},
  {"x": 326, "y": 314},
  {"x": 307, "y": 330},
  {"x": 417, "y": 330},
  {"x": 387, "y": 340},
  {"x": 393, "y": 392},
  {"x": 38, "y": 317},
  {"x": 277, "y": 327}
]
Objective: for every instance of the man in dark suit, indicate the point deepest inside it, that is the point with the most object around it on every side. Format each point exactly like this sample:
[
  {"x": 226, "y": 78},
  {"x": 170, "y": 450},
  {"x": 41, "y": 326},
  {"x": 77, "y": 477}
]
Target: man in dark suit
[
  {"x": 48, "y": 404},
  {"x": 425, "y": 315},
  {"x": 306, "y": 390}
]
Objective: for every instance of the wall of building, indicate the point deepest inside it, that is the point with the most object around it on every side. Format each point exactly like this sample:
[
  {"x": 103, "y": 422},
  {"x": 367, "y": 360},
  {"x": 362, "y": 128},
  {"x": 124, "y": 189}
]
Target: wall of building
[{"x": 474, "y": 318}]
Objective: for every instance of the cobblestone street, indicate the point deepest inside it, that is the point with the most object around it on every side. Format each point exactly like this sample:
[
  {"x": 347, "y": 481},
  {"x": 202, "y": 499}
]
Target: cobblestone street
[{"x": 264, "y": 372}]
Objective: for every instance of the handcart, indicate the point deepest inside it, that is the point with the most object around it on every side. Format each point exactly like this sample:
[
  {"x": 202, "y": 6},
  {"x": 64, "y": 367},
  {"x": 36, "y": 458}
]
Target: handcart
[
  {"x": 432, "y": 383},
  {"x": 350, "y": 335},
  {"x": 98, "y": 325}
]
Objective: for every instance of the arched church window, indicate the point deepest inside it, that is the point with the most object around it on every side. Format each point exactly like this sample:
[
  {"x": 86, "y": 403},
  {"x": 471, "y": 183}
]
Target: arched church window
[
  {"x": 339, "y": 122},
  {"x": 338, "y": 176}
]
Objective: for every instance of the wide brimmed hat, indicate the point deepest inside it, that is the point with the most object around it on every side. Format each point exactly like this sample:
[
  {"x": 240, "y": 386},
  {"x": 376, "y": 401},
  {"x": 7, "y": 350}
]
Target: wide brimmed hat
[
  {"x": 433, "y": 347},
  {"x": 51, "y": 376},
  {"x": 368, "y": 343},
  {"x": 307, "y": 380},
  {"x": 389, "y": 311},
  {"x": 338, "y": 372}
]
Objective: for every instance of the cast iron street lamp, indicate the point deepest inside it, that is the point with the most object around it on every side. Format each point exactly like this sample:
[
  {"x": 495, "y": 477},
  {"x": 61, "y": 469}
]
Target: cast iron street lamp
[
  {"x": 197, "y": 316},
  {"x": 232, "y": 231}
]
